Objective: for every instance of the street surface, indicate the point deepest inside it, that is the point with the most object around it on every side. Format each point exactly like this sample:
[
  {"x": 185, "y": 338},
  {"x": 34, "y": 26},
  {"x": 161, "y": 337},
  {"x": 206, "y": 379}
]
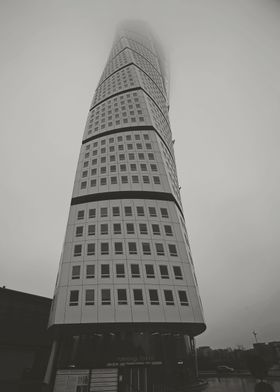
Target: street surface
[{"x": 234, "y": 384}]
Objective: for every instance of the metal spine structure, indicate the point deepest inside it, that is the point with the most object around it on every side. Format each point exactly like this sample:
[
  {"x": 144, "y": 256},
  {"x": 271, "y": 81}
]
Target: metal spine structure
[{"x": 126, "y": 271}]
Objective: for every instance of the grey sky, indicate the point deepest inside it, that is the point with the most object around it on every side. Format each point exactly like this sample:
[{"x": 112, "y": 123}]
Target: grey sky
[{"x": 225, "y": 95}]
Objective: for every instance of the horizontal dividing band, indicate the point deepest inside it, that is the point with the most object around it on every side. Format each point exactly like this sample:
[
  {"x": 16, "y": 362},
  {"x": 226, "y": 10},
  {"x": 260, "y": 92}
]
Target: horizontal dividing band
[
  {"x": 164, "y": 196},
  {"x": 129, "y": 129}
]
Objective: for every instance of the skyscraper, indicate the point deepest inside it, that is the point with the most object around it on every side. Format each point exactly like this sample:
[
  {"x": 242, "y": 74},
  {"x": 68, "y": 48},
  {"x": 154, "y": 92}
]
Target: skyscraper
[{"x": 126, "y": 307}]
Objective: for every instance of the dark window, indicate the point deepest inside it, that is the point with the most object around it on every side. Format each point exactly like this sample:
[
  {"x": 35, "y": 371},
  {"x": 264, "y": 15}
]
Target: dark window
[
  {"x": 90, "y": 271},
  {"x": 164, "y": 212},
  {"x": 103, "y": 212},
  {"x": 81, "y": 214},
  {"x": 104, "y": 248},
  {"x": 122, "y": 297},
  {"x": 104, "y": 228},
  {"x": 120, "y": 272},
  {"x": 177, "y": 272},
  {"x": 164, "y": 272},
  {"x": 130, "y": 228},
  {"x": 153, "y": 297},
  {"x": 105, "y": 271},
  {"x": 79, "y": 231},
  {"x": 143, "y": 228},
  {"x": 92, "y": 213},
  {"x": 152, "y": 211},
  {"x": 90, "y": 249},
  {"x": 76, "y": 269},
  {"x": 132, "y": 248},
  {"x": 74, "y": 298},
  {"x": 116, "y": 211},
  {"x": 156, "y": 229},
  {"x": 138, "y": 297},
  {"x": 89, "y": 297},
  {"x": 150, "y": 272},
  {"x": 106, "y": 297},
  {"x": 77, "y": 250},
  {"x": 117, "y": 228},
  {"x": 140, "y": 211},
  {"x": 168, "y": 230},
  {"x": 118, "y": 248},
  {"x": 172, "y": 250},
  {"x": 168, "y": 295},
  {"x": 135, "y": 270},
  {"x": 91, "y": 230},
  {"x": 128, "y": 211},
  {"x": 159, "y": 249},
  {"x": 183, "y": 298},
  {"x": 146, "y": 248}
]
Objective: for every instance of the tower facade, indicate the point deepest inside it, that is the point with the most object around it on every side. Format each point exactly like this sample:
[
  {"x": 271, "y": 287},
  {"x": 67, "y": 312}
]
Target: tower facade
[{"x": 126, "y": 306}]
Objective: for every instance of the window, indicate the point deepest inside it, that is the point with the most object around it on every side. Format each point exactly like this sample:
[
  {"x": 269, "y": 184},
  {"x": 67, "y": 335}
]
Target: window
[
  {"x": 90, "y": 249},
  {"x": 177, "y": 272},
  {"x": 172, "y": 250},
  {"x": 79, "y": 231},
  {"x": 114, "y": 180},
  {"x": 131, "y": 156},
  {"x": 159, "y": 249},
  {"x": 103, "y": 170},
  {"x": 121, "y": 157},
  {"x": 105, "y": 271},
  {"x": 76, "y": 269},
  {"x": 93, "y": 172},
  {"x": 116, "y": 211},
  {"x": 146, "y": 179},
  {"x": 143, "y": 167},
  {"x": 117, "y": 228},
  {"x": 104, "y": 248},
  {"x": 81, "y": 214},
  {"x": 90, "y": 271},
  {"x": 104, "y": 228},
  {"x": 84, "y": 174},
  {"x": 146, "y": 137},
  {"x": 140, "y": 211},
  {"x": 123, "y": 167},
  {"x": 113, "y": 168},
  {"x": 139, "y": 146},
  {"x": 141, "y": 156},
  {"x": 112, "y": 158},
  {"x": 135, "y": 271},
  {"x": 103, "y": 181},
  {"x": 106, "y": 297},
  {"x": 168, "y": 295},
  {"x": 94, "y": 162},
  {"x": 164, "y": 212},
  {"x": 92, "y": 213},
  {"x": 74, "y": 298},
  {"x": 132, "y": 248},
  {"x": 135, "y": 179},
  {"x": 168, "y": 230},
  {"x": 133, "y": 167},
  {"x": 148, "y": 146},
  {"x": 77, "y": 250},
  {"x": 118, "y": 248},
  {"x": 91, "y": 230},
  {"x": 156, "y": 180},
  {"x": 156, "y": 229},
  {"x": 83, "y": 185},
  {"x": 154, "y": 167},
  {"x": 89, "y": 297},
  {"x": 143, "y": 228},
  {"x": 130, "y": 228},
  {"x": 151, "y": 157},
  {"x": 183, "y": 298},
  {"x": 103, "y": 212},
  {"x": 128, "y": 211},
  {"x": 122, "y": 297},
  {"x": 146, "y": 248},
  {"x": 152, "y": 212},
  {"x": 153, "y": 297},
  {"x": 103, "y": 159},
  {"x": 138, "y": 297},
  {"x": 86, "y": 164},
  {"x": 150, "y": 273},
  {"x": 163, "y": 272},
  {"x": 93, "y": 182},
  {"x": 120, "y": 272}
]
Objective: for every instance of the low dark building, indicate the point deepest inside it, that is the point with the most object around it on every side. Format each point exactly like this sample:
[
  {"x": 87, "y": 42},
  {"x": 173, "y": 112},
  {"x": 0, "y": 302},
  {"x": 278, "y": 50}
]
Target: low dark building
[{"x": 24, "y": 343}]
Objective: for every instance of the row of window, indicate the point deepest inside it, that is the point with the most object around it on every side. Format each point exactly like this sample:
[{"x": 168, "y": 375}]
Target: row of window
[
  {"x": 122, "y": 297},
  {"x": 124, "y": 180},
  {"x": 104, "y": 229},
  {"x": 119, "y": 147},
  {"x": 122, "y": 168},
  {"x": 121, "y": 273},
  {"x": 111, "y": 140},
  {"x": 121, "y": 157},
  {"x": 104, "y": 248},
  {"x": 128, "y": 211}
]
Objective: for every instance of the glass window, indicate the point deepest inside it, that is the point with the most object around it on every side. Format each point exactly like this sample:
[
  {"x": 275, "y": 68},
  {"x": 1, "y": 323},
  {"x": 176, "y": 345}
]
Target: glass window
[
  {"x": 168, "y": 230},
  {"x": 130, "y": 228},
  {"x": 113, "y": 168},
  {"x": 76, "y": 269},
  {"x": 172, "y": 250},
  {"x": 150, "y": 272},
  {"x": 164, "y": 212},
  {"x": 90, "y": 297},
  {"x": 81, "y": 214},
  {"x": 103, "y": 212},
  {"x": 77, "y": 250},
  {"x": 90, "y": 249},
  {"x": 156, "y": 229},
  {"x": 90, "y": 271},
  {"x": 183, "y": 298},
  {"x": 124, "y": 179},
  {"x": 159, "y": 249},
  {"x": 153, "y": 297},
  {"x": 146, "y": 248},
  {"x": 143, "y": 228},
  {"x": 106, "y": 297},
  {"x": 132, "y": 248},
  {"x": 135, "y": 270},
  {"x": 118, "y": 248},
  {"x": 79, "y": 231},
  {"x": 123, "y": 167},
  {"x": 93, "y": 182},
  {"x": 177, "y": 272},
  {"x": 143, "y": 167},
  {"x": 105, "y": 271},
  {"x": 164, "y": 272},
  {"x": 146, "y": 179},
  {"x": 140, "y": 211},
  {"x": 168, "y": 295},
  {"x": 117, "y": 228},
  {"x": 92, "y": 213},
  {"x": 91, "y": 229},
  {"x": 131, "y": 156},
  {"x": 74, "y": 298},
  {"x": 135, "y": 179},
  {"x": 122, "y": 297},
  {"x": 138, "y": 297},
  {"x": 104, "y": 228},
  {"x": 104, "y": 248},
  {"x": 114, "y": 180},
  {"x": 103, "y": 181},
  {"x": 83, "y": 185},
  {"x": 151, "y": 157},
  {"x": 152, "y": 212},
  {"x": 153, "y": 167},
  {"x": 116, "y": 211},
  {"x": 156, "y": 180},
  {"x": 120, "y": 272},
  {"x": 128, "y": 211}
]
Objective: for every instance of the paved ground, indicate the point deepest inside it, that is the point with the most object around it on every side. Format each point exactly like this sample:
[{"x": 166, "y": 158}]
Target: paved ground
[{"x": 235, "y": 385}]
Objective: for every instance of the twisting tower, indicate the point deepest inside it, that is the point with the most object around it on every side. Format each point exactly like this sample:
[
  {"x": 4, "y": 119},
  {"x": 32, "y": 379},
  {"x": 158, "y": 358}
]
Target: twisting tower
[{"x": 126, "y": 306}]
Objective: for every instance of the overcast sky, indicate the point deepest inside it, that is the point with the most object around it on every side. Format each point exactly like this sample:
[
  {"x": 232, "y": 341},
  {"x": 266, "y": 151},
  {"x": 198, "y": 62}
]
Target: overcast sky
[{"x": 224, "y": 111}]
